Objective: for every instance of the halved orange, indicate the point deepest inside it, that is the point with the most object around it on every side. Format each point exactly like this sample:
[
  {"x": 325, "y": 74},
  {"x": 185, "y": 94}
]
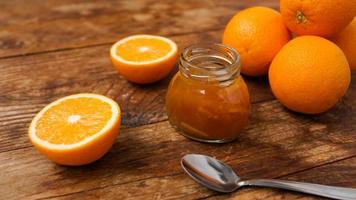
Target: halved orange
[
  {"x": 77, "y": 129},
  {"x": 144, "y": 58}
]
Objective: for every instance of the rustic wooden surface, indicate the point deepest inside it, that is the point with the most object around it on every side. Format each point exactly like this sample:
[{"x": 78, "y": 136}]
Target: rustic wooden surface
[{"x": 49, "y": 49}]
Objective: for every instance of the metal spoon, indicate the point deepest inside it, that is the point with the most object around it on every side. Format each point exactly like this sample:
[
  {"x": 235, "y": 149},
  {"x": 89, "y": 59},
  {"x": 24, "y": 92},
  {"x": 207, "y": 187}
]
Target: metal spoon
[{"x": 217, "y": 176}]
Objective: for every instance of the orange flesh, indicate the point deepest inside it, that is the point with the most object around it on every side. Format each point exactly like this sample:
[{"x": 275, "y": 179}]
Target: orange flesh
[
  {"x": 143, "y": 49},
  {"x": 208, "y": 111},
  {"x": 73, "y": 120}
]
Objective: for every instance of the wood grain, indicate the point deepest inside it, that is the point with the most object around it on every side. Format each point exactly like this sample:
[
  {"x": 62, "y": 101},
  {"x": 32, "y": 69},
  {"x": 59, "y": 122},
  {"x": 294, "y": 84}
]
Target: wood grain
[
  {"x": 54, "y": 75},
  {"x": 145, "y": 160},
  {"x": 28, "y": 27}
]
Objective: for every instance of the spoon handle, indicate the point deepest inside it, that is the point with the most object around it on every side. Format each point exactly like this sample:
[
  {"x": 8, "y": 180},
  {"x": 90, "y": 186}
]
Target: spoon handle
[{"x": 310, "y": 188}]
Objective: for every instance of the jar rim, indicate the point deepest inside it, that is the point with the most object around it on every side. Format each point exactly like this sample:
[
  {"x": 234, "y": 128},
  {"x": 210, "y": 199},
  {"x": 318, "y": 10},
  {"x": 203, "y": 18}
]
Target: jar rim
[{"x": 225, "y": 62}]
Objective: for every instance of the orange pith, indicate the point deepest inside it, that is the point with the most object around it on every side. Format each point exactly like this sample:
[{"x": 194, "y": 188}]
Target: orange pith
[
  {"x": 143, "y": 49},
  {"x": 73, "y": 120}
]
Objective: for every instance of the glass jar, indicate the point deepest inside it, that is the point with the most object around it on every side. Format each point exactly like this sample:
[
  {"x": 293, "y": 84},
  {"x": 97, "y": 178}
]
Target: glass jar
[{"x": 208, "y": 100}]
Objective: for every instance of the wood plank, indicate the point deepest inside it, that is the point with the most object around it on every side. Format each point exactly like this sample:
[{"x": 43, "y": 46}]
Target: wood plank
[
  {"x": 54, "y": 75},
  {"x": 36, "y": 26},
  {"x": 144, "y": 163},
  {"x": 340, "y": 173},
  {"x": 264, "y": 193}
]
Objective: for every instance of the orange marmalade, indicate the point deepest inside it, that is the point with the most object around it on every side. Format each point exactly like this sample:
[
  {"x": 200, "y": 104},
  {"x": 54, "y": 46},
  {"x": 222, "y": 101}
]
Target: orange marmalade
[{"x": 207, "y": 99}]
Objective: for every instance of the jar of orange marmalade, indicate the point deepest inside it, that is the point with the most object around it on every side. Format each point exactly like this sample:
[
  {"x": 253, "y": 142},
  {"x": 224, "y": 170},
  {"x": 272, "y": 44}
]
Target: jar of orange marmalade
[{"x": 208, "y": 100}]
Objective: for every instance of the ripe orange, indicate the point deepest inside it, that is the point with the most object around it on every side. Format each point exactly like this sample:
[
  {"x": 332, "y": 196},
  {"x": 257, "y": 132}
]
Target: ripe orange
[
  {"x": 309, "y": 75},
  {"x": 144, "y": 58},
  {"x": 257, "y": 33},
  {"x": 318, "y": 17},
  {"x": 76, "y": 129},
  {"x": 346, "y": 40}
]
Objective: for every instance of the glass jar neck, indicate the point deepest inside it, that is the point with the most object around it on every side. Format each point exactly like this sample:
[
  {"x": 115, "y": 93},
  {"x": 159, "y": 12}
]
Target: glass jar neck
[{"x": 210, "y": 63}]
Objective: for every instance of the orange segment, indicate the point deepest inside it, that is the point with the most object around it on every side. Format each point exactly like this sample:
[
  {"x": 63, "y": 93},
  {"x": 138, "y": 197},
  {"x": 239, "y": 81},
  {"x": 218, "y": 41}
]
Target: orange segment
[
  {"x": 73, "y": 120},
  {"x": 143, "y": 49},
  {"x": 144, "y": 58},
  {"x": 76, "y": 129}
]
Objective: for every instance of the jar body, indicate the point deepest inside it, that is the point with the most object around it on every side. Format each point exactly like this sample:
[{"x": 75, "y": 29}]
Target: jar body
[{"x": 208, "y": 111}]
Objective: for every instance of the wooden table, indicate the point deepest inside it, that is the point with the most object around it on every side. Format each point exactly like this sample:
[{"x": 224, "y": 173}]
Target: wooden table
[{"x": 50, "y": 49}]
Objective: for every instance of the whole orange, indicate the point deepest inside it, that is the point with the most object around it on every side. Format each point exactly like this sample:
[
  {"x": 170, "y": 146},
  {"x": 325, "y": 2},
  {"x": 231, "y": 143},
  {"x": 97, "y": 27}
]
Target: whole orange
[
  {"x": 309, "y": 75},
  {"x": 346, "y": 40},
  {"x": 317, "y": 17},
  {"x": 257, "y": 33}
]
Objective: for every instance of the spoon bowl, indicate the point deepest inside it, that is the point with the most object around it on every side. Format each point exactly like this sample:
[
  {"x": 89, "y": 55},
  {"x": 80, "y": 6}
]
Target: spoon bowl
[{"x": 210, "y": 172}]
